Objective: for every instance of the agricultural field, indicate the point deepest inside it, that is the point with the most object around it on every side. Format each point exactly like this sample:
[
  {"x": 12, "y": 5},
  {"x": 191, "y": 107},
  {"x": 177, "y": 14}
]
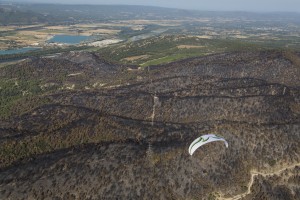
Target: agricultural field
[
  {"x": 152, "y": 42},
  {"x": 123, "y": 37}
]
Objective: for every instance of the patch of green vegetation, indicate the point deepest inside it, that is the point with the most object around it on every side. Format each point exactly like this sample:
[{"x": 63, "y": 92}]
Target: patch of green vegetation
[
  {"x": 168, "y": 59},
  {"x": 292, "y": 57},
  {"x": 12, "y": 150},
  {"x": 169, "y": 48},
  {"x": 15, "y": 92},
  {"x": 12, "y": 90}
]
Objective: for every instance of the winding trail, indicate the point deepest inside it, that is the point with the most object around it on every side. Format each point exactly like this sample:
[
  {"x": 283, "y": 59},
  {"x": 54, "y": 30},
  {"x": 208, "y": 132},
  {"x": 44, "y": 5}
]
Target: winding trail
[{"x": 256, "y": 173}]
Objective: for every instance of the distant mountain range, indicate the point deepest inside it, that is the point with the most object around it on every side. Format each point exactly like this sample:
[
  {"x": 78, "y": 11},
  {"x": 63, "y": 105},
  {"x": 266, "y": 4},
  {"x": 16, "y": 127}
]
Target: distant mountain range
[
  {"x": 25, "y": 13},
  {"x": 13, "y": 15}
]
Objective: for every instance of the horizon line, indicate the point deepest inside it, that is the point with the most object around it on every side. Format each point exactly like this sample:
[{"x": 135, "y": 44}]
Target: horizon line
[{"x": 117, "y": 4}]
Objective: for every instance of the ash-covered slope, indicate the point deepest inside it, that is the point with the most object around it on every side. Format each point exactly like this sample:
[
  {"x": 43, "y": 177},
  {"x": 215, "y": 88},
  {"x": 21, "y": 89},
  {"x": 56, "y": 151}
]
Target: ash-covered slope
[{"x": 124, "y": 134}]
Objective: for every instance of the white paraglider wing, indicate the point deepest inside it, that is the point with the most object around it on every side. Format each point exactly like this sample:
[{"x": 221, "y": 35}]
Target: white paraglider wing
[
  {"x": 199, "y": 139},
  {"x": 204, "y": 139}
]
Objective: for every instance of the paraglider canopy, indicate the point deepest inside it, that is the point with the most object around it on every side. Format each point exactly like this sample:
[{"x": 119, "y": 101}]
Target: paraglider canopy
[{"x": 204, "y": 139}]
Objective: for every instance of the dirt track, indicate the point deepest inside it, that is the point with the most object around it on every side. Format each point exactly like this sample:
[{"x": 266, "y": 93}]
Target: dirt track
[{"x": 256, "y": 173}]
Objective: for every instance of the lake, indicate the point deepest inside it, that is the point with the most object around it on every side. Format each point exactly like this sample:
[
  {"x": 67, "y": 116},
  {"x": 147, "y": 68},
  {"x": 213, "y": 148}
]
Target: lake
[
  {"x": 69, "y": 39},
  {"x": 15, "y": 51}
]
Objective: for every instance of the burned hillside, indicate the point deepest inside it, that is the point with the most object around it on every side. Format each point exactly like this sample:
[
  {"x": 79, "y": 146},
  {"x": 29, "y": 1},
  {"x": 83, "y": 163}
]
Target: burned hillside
[{"x": 100, "y": 130}]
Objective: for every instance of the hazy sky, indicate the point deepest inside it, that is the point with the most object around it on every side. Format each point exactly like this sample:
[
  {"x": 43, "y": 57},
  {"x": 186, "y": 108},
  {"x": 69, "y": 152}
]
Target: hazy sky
[{"x": 243, "y": 5}]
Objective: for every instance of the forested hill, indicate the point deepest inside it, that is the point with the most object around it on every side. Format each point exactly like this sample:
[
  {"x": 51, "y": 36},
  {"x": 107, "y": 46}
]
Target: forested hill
[
  {"x": 80, "y": 127},
  {"x": 13, "y": 16}
]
